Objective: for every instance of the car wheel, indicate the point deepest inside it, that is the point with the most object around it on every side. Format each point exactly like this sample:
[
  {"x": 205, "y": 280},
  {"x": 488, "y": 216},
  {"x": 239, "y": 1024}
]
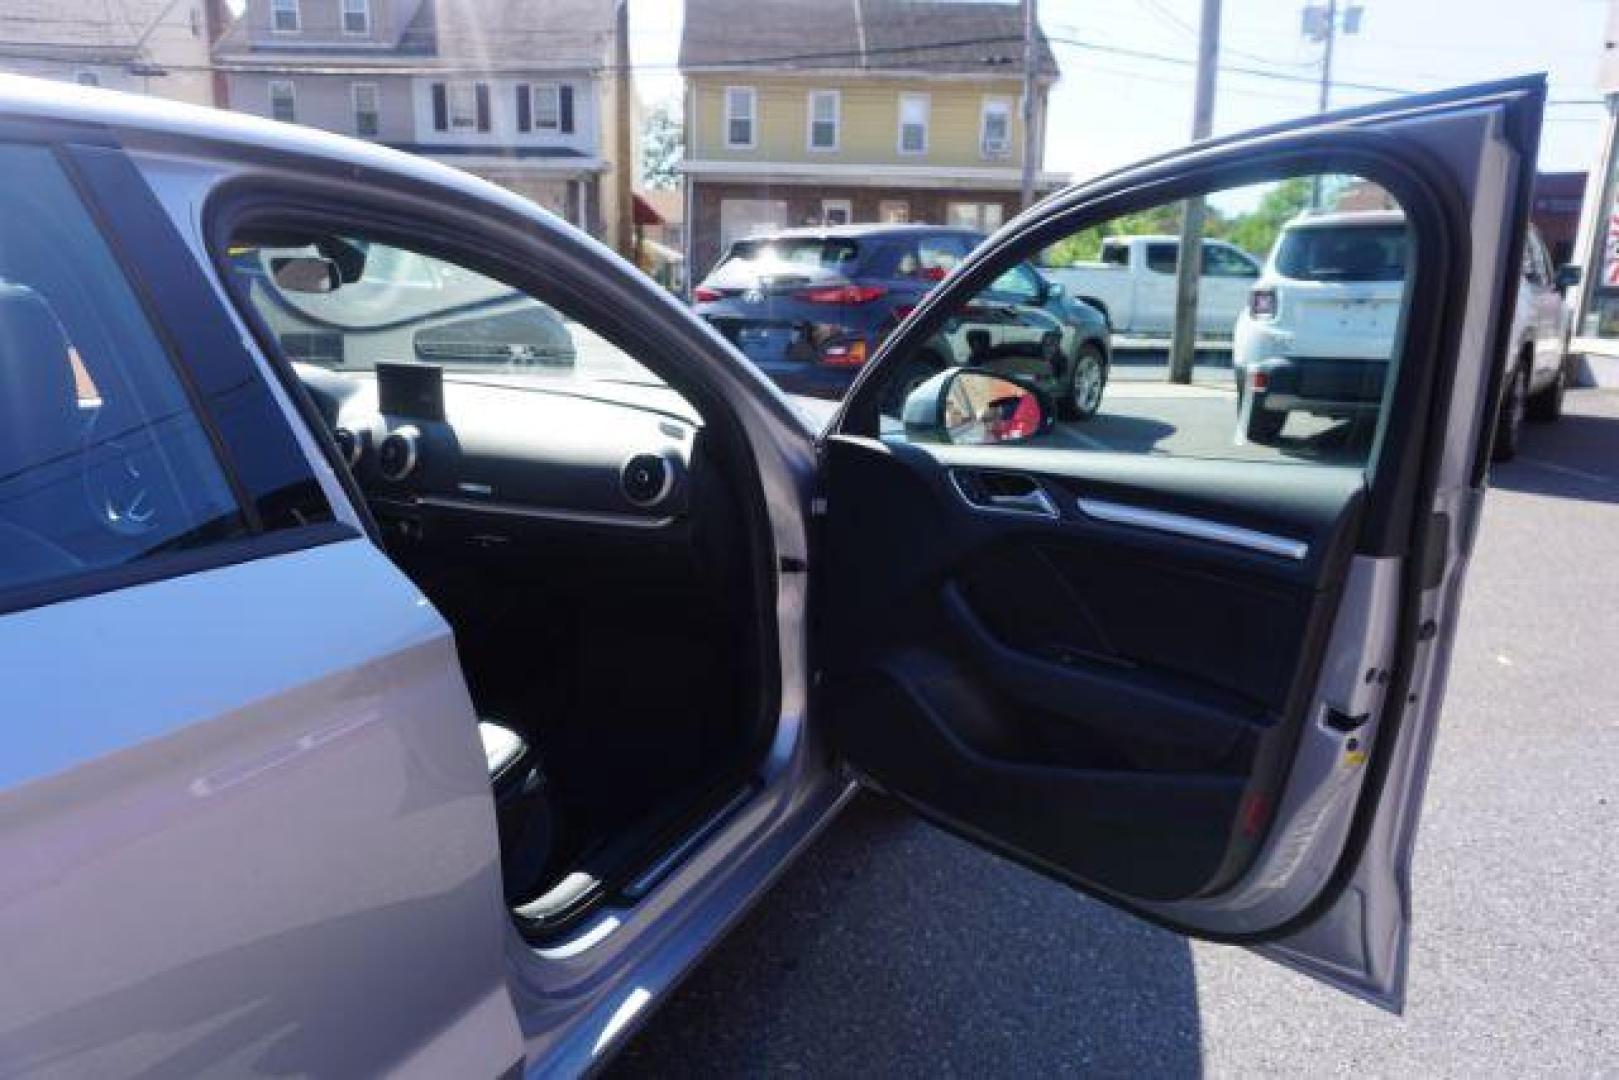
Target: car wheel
[
  {"x": 1547, "y": 405},
  {"x": 1509, "y": 428},
  {"x": 915, "y": 371},
  {"x": 1085, "y": 385}
]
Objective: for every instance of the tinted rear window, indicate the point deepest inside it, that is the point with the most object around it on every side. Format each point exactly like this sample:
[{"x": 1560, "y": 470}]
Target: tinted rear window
[
  {"x": 823, "y": 252},
  {"x": 1358, "y": 253}
]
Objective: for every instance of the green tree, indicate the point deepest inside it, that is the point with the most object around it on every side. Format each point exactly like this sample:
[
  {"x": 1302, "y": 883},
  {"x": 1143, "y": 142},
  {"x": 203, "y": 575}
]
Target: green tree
[
  {"x": 1255, "y": 232},
  {"x": 662, "y": 146}
]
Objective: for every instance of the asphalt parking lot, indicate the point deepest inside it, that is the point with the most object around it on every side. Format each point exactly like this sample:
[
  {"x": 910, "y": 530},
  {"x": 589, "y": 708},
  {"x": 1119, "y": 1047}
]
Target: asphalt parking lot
[{"x": 891, "y": 949}]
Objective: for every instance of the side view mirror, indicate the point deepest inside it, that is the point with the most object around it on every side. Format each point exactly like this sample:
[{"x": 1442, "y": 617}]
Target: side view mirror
[
  {"x": 1568, "y": 276},
  {"x": 967, "y": 407},
  {"x": 306, "y": 274},
  {"x": 1055, "y": 290}
]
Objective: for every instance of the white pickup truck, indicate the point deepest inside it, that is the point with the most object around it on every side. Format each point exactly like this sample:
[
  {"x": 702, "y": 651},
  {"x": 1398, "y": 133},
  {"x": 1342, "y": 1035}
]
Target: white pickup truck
[{"x": 1133, "y": 284}]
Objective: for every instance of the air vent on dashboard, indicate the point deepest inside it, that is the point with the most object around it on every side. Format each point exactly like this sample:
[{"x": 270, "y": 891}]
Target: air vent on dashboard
[
  {"x": 646, "y": 479},
  {"x": 349, "y": 445},
  {"x": 396, "y": 457}
]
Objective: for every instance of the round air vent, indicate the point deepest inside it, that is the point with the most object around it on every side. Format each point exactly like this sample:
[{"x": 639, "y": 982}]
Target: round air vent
[
  {"x": 396, "y": 457},
  {"x": 646, "y": 479},
  {"x": 349, "y": 445}
]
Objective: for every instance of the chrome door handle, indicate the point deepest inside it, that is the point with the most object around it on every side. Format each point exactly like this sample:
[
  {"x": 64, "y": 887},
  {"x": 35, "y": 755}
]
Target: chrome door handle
[{"x": 1032, "y": 502}]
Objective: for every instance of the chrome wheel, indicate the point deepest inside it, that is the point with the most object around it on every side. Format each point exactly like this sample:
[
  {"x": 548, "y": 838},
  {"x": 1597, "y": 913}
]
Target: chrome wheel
[{"x": 1090, "y": 378}]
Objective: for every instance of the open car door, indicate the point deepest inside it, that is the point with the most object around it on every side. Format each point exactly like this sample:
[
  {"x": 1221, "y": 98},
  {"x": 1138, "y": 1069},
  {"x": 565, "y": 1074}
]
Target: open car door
[{"x": 1189, "y": 655}]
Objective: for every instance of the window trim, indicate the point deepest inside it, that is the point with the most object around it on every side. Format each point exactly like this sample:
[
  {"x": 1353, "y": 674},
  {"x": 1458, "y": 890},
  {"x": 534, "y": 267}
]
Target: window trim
[
  {"x": 926, "y": 101},
  {"x": 286, "y": 7},
  {"x": 376, "y": 108},
  {"x": 364, "y": 11},
  {"x": 752, "y": 95},
  {"x": 292, "y": 97},
  {"x": 810, "y": 121},
  {"x": 988, "y": 105}
]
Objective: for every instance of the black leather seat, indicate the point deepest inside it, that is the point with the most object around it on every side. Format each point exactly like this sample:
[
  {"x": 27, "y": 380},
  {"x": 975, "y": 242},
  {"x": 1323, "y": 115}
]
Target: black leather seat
[
  {"x": 41, "y": 433},
  {"x": 522, "y": 806}
]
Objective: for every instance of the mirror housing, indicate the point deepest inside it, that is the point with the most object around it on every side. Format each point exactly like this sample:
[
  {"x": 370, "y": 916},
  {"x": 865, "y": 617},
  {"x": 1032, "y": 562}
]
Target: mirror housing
[
  {"x": 1567, "y": 276},
  {"x": 306, "y": 274},
  {"x": 969, "y": 407},
  {"x": 1054, "y": 289}
]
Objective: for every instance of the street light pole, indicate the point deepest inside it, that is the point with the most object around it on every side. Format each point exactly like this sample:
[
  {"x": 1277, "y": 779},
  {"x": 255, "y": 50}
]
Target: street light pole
[{"x": 1189, "y": 257}]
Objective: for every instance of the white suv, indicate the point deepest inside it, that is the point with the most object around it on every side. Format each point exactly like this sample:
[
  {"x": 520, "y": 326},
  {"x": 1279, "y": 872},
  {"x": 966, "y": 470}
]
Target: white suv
[{"x": 1319, "y": 327}]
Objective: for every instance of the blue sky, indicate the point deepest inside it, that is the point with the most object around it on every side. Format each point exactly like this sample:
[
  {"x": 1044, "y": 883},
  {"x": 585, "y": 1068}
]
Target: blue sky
[{"x": 1112, "y": 107}]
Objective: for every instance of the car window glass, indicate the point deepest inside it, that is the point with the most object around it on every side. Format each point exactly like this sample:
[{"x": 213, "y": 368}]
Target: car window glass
[
  {"x": 1161, "y": 258},
  {"x": 365, "y": 302},
  {"x": 103, "y": 463},
  {"x": 1116, "y": 254},
  {"x": 1018, "y": 283},
  {"x": 1292, "y": 367},
  {"x": 1223, "y": 262},
  {"x": 937, "y": 256}
]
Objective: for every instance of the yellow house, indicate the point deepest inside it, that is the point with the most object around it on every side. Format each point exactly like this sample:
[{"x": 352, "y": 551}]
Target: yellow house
[{"x": 878, "y": 110}]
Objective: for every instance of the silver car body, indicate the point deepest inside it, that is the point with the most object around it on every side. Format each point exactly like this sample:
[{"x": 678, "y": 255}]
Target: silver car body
[{"x": 240, "y": 839}]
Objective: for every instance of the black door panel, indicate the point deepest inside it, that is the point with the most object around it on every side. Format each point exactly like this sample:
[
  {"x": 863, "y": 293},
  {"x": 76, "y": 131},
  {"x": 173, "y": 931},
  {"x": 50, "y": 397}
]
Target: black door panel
[{"x": 1112, "y": 688}]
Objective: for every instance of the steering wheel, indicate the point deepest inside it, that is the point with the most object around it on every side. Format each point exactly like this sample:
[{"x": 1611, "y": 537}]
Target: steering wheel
[{"x": 116, "y": 489}]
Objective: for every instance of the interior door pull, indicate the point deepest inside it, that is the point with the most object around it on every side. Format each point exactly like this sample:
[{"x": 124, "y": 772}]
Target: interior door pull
[
  {"x": 1031, "y": 502},
  {"x": 1003, "y": 493}
]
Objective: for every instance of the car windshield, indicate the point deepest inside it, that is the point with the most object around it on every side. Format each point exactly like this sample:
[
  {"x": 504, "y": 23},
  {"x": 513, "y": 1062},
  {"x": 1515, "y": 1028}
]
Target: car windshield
[
  {"x": 347, "y": 303},
  {"x": 1343, "y": 253}
]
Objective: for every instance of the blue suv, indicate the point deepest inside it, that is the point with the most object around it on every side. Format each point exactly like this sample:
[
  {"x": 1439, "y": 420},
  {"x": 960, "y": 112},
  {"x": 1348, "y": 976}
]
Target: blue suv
[{"x": 809, "y": 306}]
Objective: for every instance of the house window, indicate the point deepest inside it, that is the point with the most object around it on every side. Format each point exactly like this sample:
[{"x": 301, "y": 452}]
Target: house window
[
  {"x": 366, "y": 109},
  {"x": 284, "y": 16},
  {"x": 995, "y": 128},
  {"x": 741, "y": 107},
  {"x": 913, "y": 123},
  {"x": 836, "y": 211},
  {"x": 894, "y": 211},
  {"x": 978, "y": 216},
  {"x": 461, "y": 106},
  {"x": 824, "y": 107},
  {"x": 356, "y": 16},
  {"x": 87, "y": 78},
  {"x": 283, "y": 101}
]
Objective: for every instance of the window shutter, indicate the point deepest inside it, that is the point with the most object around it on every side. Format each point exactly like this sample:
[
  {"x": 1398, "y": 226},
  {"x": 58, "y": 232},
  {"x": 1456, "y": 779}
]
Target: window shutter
[
  {"x": 565, "y": 108},
  {"x": 441, "y": 108},
  {"x": 525, "y": 121},
  {"x": 483, "y": 106}
]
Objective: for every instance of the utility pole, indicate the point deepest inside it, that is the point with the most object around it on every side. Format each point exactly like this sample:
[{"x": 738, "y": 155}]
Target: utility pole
[
  {"x": 623, "y": 167},
  {"x": 1189, "y": 256},
  {"x": 1321, "y": 24},
  {"x": 1031, "y": 136}
]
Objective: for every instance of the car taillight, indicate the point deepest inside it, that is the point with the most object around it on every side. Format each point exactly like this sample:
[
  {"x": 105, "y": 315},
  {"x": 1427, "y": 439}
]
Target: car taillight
[
  {"x": 1262, "y": 303},
  {"x": 841, "y": 294},
  {"x": 845, "y": 354},
  {"x": 703, "y": 294}
]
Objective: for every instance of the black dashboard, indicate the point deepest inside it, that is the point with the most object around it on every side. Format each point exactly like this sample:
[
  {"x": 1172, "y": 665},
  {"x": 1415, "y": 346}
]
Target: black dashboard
[{"x": 491, "y": 459}]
